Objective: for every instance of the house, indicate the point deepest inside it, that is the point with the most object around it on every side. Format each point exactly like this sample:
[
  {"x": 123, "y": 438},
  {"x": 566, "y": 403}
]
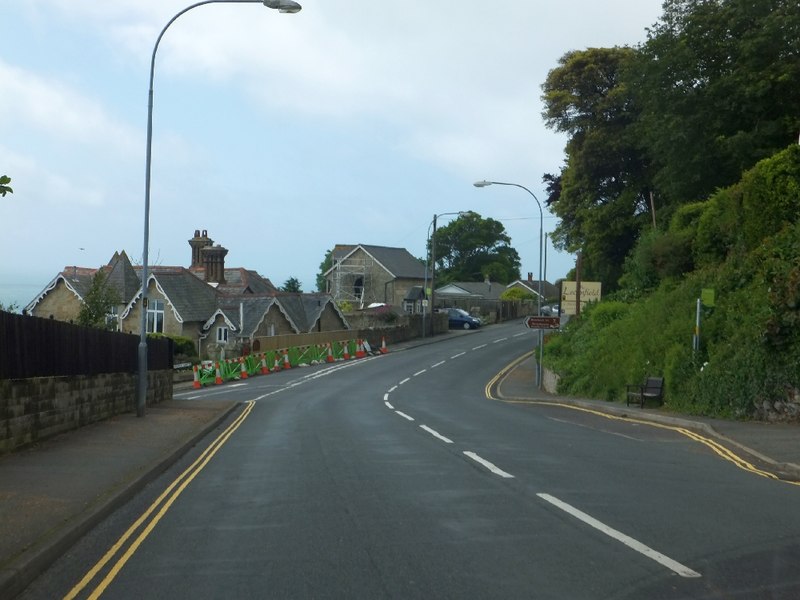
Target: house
[
  {"x": 363, "y": 274},
  {"x": 462, "y": 290},
  {"x": 531, "y": 286},
  {"x": 222, "y": 310}
]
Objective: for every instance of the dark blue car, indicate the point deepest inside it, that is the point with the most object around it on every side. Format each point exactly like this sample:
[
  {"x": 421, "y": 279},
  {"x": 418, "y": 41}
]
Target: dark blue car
[{"x": 458, "y": 318}]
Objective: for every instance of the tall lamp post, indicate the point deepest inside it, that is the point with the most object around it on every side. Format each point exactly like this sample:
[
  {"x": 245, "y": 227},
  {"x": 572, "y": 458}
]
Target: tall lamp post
[
  {"x": 432, "y": 254},
  {"x": 284, "y": 6},
  {"x": 485, "y": 183}
]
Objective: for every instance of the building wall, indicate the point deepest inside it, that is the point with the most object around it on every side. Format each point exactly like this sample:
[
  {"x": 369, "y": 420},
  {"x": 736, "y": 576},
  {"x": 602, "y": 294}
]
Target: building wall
[
  {"x": 131, "y": 324},
  {"x": 214, "y": 350},
  {"x": 32, "y": 410},
  {"x": 330, "y": 320},
  {"x": 61, "y": 304},
  {"x": 274, "y": 323}
]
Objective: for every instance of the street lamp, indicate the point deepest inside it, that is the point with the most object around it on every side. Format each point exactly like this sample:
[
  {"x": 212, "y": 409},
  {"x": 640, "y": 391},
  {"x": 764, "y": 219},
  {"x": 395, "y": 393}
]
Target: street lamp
[
  {"x": 485, "y": 183},
  {"x": 432, "y": 254},
  {"x": 284, "y": 6}
]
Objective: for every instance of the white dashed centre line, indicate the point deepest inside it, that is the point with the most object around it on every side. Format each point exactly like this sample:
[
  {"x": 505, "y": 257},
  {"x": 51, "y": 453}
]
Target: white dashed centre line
[
  {"x": 459, "y": 354},
  {"x": 436, "y": 434},
  {"x": 404, "y": 415},
  {"x": 672, "y": 565},
  {"x": 488, "y": 465},
  {"x": 440, "y": 363},
  {"x": 404, "y": 380},
  {"x": 388, "y": 405},
  {"x": 419, "y": 372},
  {"x": 479, "y": 347}
]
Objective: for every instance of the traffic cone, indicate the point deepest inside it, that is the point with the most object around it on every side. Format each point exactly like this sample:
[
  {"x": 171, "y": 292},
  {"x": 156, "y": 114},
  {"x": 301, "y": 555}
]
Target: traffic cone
[
  {"x": 196, "y": 382},
  {"x": 244, "y": 368},
  {"x": 384, "y": 349},
  {"x": 264, "y": 367},
  {"x": 346, "y": 350},
  {"x": 330, "y": 353},
  {"x": 218, "y": 378},
  {"x": 277, "y": 366},
  {"x": 286, "y": 363},
  {"x": 360, "y": 350}
]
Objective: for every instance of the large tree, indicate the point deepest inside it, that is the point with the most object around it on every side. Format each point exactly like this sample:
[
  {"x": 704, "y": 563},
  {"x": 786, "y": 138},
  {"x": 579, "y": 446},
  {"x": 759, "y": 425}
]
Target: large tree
[
  {"x": 471, "y": 248},
  {"x": 601, "y": 193},
  {"x": 718, "y": 83}
]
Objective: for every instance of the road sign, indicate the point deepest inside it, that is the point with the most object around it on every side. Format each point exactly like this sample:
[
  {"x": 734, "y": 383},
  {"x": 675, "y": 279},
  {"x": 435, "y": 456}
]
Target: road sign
[{"x": 542, "y": 322}]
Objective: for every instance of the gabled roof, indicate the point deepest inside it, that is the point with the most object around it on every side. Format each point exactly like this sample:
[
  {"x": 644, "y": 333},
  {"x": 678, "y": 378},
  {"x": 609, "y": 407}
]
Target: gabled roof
[
  {"x": 122, "y": 276},
  {"x": 398, "y": 262},
  {"x": 245, "y": 311},
  {"x": 306, "y": 309},
  {"x": 475, "y": 289},
  {"x": 190, "y": 298},
  {"x": 78, "y": 280},
  {"x": 548, "y": 289}
]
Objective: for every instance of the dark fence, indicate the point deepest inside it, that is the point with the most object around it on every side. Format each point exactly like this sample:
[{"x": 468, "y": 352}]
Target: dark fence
[{"x": 35, "y": 347}]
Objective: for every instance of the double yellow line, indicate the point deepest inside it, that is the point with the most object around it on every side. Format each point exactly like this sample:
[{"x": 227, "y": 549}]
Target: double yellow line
[
  {"x": 162, "y": 504},
  {"x": 715, "y": 446}
]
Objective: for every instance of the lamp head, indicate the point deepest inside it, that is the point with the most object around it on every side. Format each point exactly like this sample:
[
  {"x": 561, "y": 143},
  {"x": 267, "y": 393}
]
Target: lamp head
[
  {"x": 284, "y": 6},
  {"x": 483, "y": 183}
]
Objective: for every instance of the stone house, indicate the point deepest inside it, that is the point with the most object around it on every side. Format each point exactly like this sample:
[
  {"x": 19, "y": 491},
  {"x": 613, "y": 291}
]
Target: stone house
[
  {"x": 363, "y": 274},
  {"x": 222, "y": 310}
]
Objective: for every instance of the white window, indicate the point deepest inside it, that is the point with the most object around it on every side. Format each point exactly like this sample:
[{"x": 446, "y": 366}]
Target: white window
[
  {"x": 222, "y": 335},
  {"x": 155, "y": 316}
]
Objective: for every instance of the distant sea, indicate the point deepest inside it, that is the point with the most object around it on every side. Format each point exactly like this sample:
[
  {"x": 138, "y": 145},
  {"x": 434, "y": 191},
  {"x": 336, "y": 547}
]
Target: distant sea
[{"x": 19, "y": 293}]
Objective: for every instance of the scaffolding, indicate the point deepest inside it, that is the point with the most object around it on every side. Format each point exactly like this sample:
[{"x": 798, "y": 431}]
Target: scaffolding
[{"x": 352, "y": 280}]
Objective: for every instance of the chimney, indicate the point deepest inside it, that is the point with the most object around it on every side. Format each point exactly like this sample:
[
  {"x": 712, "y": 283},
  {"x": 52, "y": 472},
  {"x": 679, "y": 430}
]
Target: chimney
[
  {"x": 214, "y": 262},
  {"x": 198, "y": 242},
  {"x": 530, "y": 276}
]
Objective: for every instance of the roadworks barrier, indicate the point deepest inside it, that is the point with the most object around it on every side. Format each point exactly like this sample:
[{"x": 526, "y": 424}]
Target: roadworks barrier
[{"x": 233, "y": 369}]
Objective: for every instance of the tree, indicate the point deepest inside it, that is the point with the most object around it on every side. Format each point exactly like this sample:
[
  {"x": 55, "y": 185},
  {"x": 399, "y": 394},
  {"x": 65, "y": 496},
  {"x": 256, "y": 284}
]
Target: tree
[
  {"x": 601, "y": 194},
  {"x": 100, "y": 301},
  {"x": 471, "y": 248},
  {"x": 4, "y": 188},
  {"x": 291, "y": 285},
  {"x": 327, "y": 263},
  {"x": 12, "y": 308},
  {"x": 717, "y": 83}
]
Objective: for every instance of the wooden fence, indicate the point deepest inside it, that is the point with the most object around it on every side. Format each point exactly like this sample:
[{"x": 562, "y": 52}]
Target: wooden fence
[{"x": 35, "y": 347}]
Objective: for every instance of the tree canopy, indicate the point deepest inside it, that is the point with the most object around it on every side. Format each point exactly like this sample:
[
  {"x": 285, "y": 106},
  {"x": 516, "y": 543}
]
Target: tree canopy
[
  {"x": 291, "y": 285},
  {"x": 471, "y": 248},
  {"x": 4, "y": 187},
  {"x": 712, "y": 91}
]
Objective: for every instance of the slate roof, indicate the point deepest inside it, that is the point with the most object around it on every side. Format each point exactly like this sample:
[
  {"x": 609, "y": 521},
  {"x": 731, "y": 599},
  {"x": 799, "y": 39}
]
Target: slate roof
[
  {"x": 190, "y": 298},
  {"x": 240, "y": 281},
  {"x": 398, "y": 262},
  {"x": 252, "y": 308},
  {"x": 304, "y": 310},
  {"x": 479, "y": 289},
  {"x": 122, "y": 276},
  {"x": 548, "y": 289}
]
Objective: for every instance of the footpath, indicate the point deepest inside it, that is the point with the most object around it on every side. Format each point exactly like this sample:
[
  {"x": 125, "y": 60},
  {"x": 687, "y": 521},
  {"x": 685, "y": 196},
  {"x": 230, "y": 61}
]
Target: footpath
[{"x": 51, "y": 494}]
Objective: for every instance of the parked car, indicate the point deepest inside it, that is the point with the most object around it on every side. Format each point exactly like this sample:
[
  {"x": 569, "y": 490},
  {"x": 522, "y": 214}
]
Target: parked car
[{"x": 458, "y": 318}]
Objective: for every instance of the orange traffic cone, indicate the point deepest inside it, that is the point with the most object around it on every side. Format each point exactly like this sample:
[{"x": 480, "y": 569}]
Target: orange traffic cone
[
  {"x": 277, "y": 366},
  {"x": 196, "y": 382},
  {"x": 384, "y": 349},
  {"x": 244, "y": 368},
  {"x": 330, "y": 353},
  {"x": 264, "y": 367},
  {"x": 286, "y": 363},
  {"x": 346, "y": 351},
  {"x": 218, "y": 378},
  {"x": 360, "y": 350}
]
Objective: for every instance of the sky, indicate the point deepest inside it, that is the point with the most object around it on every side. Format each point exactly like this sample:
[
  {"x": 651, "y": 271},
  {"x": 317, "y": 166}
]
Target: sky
[{"x": 282, "y": 135}]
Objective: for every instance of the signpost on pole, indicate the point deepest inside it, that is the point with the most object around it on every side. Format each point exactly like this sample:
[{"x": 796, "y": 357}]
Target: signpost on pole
[{"x": 543, "y": 322}]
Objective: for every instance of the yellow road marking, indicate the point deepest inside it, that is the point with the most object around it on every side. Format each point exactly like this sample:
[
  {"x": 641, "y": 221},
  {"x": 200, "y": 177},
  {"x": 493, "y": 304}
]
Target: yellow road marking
[
  {"x": 186, "y": 477},
  {"x": 715, "y": 446}
]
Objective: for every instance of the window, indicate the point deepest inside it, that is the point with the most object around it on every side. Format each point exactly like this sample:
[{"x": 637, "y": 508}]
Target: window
[
  {"x": 155, "y": 316},
  {"x": 112, "y": 318},
  {"x": 222, "y": 335}
]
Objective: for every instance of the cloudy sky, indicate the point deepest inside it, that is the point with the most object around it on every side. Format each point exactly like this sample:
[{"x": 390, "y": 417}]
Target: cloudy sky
[{"x": 353, "y": 121}]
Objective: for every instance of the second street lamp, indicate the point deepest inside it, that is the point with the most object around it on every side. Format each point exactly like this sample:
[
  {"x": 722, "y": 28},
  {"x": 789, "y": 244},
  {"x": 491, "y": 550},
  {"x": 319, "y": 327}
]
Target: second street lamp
[
  {"x": 485, "y": 183},
  {"x": 284, "y": 6}
]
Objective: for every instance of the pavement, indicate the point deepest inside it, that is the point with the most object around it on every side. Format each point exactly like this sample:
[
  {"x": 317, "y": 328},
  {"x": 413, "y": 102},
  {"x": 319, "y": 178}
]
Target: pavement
[{"x": 54, "y": 492}]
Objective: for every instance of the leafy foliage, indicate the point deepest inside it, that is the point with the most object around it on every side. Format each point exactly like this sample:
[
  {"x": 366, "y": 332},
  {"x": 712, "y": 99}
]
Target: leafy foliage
[
  {"x": 324, "y": 266},
  {"x": 98, "y": 304},
  {"x": 471, "y": 248},
  {"x": 4, "y": 187},
  {"x": 750, "y": 348},
  {"x": 291, "y": 285}
]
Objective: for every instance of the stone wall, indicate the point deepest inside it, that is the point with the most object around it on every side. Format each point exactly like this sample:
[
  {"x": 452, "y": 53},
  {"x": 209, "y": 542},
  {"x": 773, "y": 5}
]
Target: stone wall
[{"x": 32, "y": 410}]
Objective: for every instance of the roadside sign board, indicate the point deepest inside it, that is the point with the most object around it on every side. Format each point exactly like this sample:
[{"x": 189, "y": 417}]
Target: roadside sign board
[{"x": 542, "y": 322}]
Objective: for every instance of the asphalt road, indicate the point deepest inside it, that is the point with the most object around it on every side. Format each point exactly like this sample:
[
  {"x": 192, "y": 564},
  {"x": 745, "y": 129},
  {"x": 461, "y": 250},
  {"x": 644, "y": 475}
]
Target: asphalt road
[{"x": 396, "y": 477}]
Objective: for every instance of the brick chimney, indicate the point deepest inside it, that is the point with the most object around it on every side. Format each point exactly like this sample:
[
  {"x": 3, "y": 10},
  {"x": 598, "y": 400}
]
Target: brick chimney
[
  {"x": 198, "y": 242},
  {"x": 214, "y": 263},
  {"x": 530, "y": 276}
]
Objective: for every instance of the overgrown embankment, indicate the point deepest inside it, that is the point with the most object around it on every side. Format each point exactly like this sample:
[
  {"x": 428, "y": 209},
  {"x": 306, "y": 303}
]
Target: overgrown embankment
[{"x": 744, "y": 243}]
